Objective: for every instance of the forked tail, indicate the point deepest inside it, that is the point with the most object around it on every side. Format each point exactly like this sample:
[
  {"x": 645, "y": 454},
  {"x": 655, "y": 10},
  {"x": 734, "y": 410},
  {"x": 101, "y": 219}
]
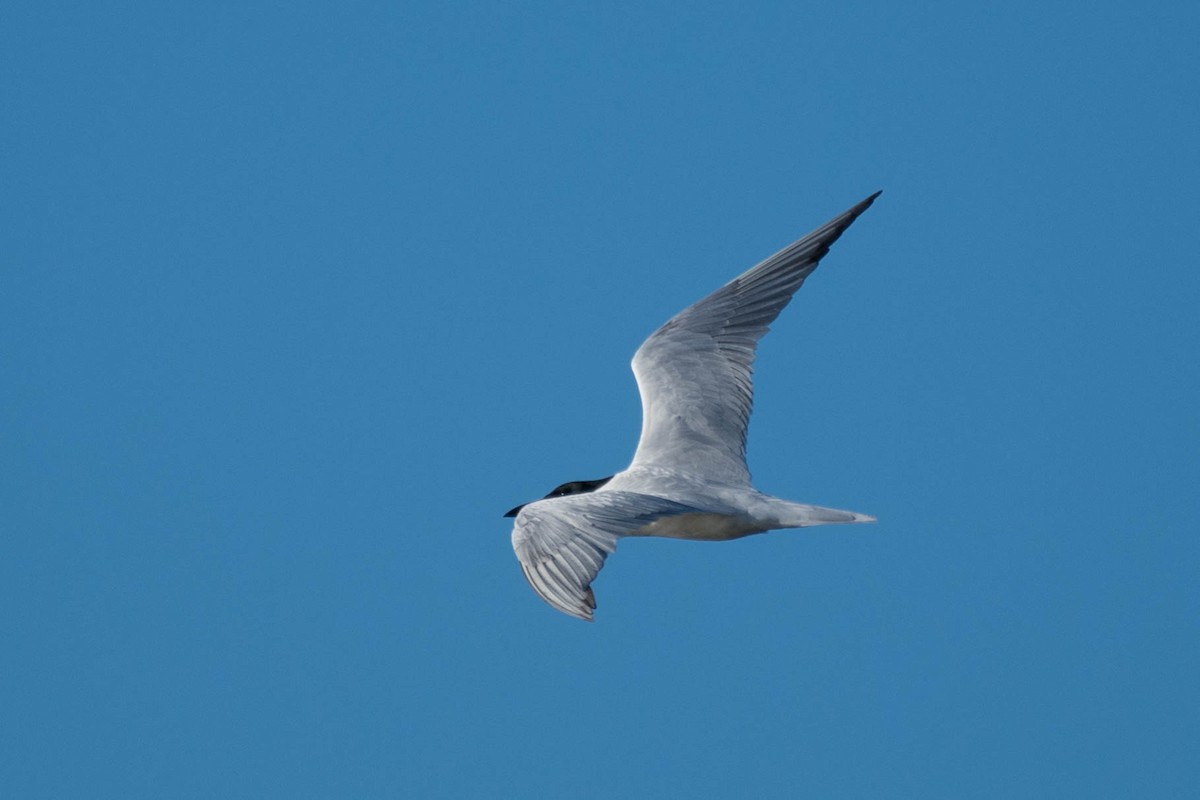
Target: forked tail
[{"x": 801, "y": 515}]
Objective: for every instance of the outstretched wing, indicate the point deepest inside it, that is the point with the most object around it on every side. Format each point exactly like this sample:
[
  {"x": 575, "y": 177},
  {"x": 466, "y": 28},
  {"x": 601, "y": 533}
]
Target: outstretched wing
[
  {"x": 694, "y": 373},
  {"x": 562, "y": 542}
]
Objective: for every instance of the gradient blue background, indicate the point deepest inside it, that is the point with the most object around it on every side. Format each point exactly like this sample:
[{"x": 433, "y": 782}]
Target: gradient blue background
[{"x": 296, "y": 299}]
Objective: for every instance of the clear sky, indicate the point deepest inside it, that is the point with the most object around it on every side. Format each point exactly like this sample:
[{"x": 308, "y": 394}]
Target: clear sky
[{"x": 297, "y": 299}]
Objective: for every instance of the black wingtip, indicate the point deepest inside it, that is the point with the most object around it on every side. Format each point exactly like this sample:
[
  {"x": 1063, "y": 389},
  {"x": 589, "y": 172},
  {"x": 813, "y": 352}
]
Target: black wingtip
[{"x": 844, "y": 220}]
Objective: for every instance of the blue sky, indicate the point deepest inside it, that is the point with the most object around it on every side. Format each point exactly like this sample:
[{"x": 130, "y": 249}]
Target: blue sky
[{"x": 297, "y": 299}]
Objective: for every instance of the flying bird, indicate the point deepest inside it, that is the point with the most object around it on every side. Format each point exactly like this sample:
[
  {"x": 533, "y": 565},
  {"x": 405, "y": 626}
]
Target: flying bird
[{"x": 688, "y": 478}]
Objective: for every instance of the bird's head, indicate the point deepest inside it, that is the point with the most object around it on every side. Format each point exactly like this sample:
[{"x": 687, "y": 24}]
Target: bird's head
[{"x": 573, "y": 487}]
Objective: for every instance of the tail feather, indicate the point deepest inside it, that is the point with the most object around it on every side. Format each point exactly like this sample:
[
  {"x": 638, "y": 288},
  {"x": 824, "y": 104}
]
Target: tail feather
[{"x": 801, "y": 515}]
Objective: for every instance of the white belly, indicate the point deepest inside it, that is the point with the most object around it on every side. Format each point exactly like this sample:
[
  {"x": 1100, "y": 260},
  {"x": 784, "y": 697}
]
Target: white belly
[{"x": 700, "y": 526}]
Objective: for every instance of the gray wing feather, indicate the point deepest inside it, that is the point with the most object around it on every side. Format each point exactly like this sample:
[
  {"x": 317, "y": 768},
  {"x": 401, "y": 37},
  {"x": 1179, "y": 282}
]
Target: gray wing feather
[
  {"x": 694, "y": 373},
  {"x": 562, "y": 542}
]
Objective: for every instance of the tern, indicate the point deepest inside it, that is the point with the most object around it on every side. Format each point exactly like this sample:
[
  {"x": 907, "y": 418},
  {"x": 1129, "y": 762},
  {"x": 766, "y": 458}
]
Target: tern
[{"x": 688, "y": 478}]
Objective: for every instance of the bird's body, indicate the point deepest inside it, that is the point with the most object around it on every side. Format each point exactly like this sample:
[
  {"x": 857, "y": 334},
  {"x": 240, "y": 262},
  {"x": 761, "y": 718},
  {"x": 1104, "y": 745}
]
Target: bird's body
[{"x": 688, "y": 478}]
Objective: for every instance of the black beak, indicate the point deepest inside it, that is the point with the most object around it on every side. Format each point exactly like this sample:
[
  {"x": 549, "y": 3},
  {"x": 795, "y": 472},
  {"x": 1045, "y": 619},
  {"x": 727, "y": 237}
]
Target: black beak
[{"x": 515, "y": 511}]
